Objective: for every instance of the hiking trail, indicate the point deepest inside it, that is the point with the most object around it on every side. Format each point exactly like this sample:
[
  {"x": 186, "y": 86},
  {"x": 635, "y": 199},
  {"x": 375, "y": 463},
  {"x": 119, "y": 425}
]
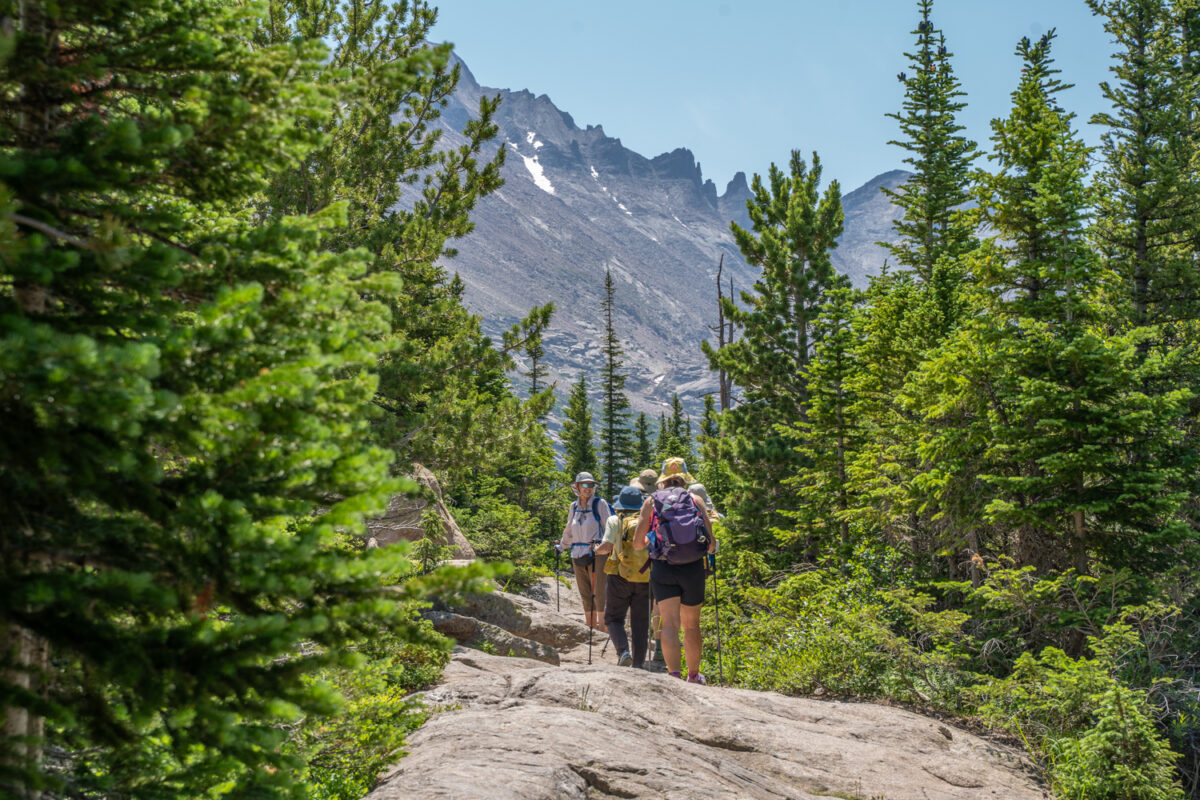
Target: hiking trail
[{"x": 542, "y": 724}]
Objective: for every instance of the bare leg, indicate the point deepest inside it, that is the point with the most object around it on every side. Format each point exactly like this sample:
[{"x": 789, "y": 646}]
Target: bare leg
[
  {"x": 668, "y": 611},
  {"x": 690, "y": 617}
]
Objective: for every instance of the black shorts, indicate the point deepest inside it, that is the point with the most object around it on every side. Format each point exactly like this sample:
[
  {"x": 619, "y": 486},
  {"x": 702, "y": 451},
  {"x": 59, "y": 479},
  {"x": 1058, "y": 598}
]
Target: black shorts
[{"x": 685, "y": 581}]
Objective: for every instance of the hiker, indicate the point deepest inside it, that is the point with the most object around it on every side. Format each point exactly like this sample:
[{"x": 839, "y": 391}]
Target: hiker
[
  {"x": 699, "y": 490},
  {"x": 647, "y": 481},
  {"x": 628, "y": 582},
  {"x": 674, "y": 526},
  {"x": 585, "y": 525}
]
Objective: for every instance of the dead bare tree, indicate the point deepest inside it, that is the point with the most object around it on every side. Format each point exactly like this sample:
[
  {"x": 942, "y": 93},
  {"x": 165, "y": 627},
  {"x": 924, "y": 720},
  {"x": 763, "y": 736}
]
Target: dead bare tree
[{"x": 725, "y": 335}]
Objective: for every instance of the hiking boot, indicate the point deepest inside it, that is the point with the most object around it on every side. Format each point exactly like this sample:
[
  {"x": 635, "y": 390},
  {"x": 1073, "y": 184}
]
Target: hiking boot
[
  {"x": 658, "y": 656},
  {"x": 675, "y": 675},
  {"x": 696, "y": 677},
  {"x": 625, "y": 660}
]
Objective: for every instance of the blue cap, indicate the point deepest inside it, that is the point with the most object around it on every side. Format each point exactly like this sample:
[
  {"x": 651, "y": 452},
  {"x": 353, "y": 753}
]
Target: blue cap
[{"x": 630, "y": 499}]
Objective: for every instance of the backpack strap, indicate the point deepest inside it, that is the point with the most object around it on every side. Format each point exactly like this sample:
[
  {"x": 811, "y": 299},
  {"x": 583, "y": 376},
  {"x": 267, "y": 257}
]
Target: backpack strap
[{"x": 596, "y": 513}]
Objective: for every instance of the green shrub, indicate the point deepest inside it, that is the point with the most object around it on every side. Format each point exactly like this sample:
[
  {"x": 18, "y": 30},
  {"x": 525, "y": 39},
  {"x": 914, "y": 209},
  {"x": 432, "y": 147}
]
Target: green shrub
[
  {"x": 1121, "y": 757},
  {"x": 822, "y": 631},
  {"x": 1095, "y": 734},
  {"x": 501, "y": 531},
  {"x": 431, "y": 549},
  {"x": 347, "y": 751}
]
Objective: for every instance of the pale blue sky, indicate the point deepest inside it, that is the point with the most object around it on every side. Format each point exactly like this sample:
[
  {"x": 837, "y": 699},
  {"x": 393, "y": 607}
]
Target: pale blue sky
[{"x": 743, "y": 82}]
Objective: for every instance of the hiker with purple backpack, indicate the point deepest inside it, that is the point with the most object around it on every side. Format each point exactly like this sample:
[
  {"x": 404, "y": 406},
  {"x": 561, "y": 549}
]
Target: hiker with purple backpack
[{"x": 674, "y": 526}]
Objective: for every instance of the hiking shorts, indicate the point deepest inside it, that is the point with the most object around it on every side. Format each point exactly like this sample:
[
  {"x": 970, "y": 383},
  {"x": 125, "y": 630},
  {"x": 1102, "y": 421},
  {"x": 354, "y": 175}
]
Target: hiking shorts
[
  {"x": 587, "y": 567},
  {"x": 685, "y": 581}
]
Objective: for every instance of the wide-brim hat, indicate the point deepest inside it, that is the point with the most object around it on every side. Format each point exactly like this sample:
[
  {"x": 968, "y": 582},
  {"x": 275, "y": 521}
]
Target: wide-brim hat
[
  {"x": 583, "y": 477},
  {"x": 630, "y": 499},
  {"x": 674, "y": 468},
  {"x": 646, "y": 480}
]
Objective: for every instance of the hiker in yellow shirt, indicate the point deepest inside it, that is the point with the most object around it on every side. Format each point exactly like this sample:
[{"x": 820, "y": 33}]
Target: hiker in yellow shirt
[{"x": 627, "y": 579}]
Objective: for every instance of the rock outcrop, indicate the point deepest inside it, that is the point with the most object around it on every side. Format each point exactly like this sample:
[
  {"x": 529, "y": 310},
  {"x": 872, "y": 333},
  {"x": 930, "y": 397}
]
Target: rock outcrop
[
  {"x": 526, "y": 731},
  {"x": 482, "y": 635},
  {"x": 402, "y": 520},
  {"x": 519, "y": 728}
]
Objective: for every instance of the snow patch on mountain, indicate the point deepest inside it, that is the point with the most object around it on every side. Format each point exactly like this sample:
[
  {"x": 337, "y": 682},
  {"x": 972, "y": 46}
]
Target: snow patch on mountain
[{"x": 535, "y": 170}]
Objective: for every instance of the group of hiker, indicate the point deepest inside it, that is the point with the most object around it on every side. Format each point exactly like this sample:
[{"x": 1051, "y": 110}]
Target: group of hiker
[{"x": 644, "y": 556}]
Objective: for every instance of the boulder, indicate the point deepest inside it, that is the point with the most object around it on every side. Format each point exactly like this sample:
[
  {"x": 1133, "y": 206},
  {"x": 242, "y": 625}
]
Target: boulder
[
  {"x": 526, "y": 617},
  {"x": 476, "y": 634},
  {"x": 402, "y": 520},
  {"x": 517, "y": 728}
]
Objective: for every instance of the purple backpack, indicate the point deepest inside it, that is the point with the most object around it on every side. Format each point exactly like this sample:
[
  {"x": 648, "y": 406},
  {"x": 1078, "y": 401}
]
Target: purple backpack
[{"x": 679, "y": 536}]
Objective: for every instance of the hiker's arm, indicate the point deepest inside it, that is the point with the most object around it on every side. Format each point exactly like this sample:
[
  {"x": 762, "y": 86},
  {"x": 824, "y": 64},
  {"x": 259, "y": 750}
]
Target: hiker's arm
[
  {"x": 562, "y": 541},
  {"x": 639, "y": 536},
  {"x": 610, "y": 536}
]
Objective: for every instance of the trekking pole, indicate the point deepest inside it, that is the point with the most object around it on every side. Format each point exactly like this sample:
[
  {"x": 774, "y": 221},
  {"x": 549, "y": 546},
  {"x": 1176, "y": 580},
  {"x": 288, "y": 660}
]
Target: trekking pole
[
  {"x": 650, "y": 626},
  {"x": 557, "y": 578},
  {"x": 712, "y": 561},
  {"x": 592, "y": 607}
]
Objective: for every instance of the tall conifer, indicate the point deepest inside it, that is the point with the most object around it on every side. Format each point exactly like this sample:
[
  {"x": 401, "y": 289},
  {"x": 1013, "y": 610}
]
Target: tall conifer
[
  {"x": 1049, "y": 436},
  {"x": 184, "y": 390},
  {"x": 643, "y": 447},
  {"x": 1148, "y": 208},
  {"x": 932, "y": 225},
  {"x": 616, "y": 441},
  {"x": 829, "y": 438},
  {"x": 443, "y": 390},
  {"x": 915, "y": 304},
  {"x": 680, "y": 426},
  {"x": 577, "y": 432},
  {"x": 795, "y": 227}
]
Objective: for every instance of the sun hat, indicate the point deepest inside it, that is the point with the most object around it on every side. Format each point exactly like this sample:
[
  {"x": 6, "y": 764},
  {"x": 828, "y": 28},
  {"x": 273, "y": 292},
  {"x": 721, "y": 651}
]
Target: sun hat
[
  {"x": 674, "y": 468},
  {"x": 630, "y": 499},
  {"x": 645, "y": 480},
  {"x": 583, "y": 477}
]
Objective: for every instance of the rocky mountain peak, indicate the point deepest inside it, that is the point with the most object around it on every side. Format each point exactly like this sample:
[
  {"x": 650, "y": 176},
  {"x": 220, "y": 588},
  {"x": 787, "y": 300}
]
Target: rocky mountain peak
[
  {"x": 577, "y": 202},
  {"x": 737, "y": 185}
]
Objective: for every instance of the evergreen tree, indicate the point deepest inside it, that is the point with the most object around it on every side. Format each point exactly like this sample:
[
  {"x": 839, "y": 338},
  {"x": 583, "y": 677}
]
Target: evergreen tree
[
  {"x": 577, "y": 432},
  {"x": 1049, "y": 436},
  {"x": 794, "y": 229},
  {"x": 680, "y": 426},
  {"x": 709, "y": 427},
  {"x": 616, "y": 441},
  {"x": 1148, "y": 207},
  {"x": 447, "y": 402},
  {"x": 643, "y": 449},
  {"x": 932, "y": 225},
  {"x": 713, "y": 467},
  {"x": 913, "y": 308},
  {"x": 667, "y": 444},
  {"x": 184, "y": 390},
  {"x": 829, "y": 437},
  {"x": 538, "y": 371}
]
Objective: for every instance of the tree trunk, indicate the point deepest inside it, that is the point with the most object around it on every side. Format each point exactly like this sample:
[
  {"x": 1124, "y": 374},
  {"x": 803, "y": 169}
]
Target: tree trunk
[{"x": 23, "y": 730}]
